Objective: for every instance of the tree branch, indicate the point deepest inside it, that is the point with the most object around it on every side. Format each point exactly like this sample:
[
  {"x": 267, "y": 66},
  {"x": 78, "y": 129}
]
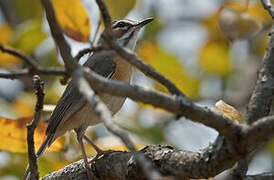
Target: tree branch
[
  {"x": 35, "y": 68},
  {"x": 148, "y": 70},
  {"x": 174, "y": 104},
  {"x": 261, "y": 99},
  {"x": 58, "y": 36},
  {"x": 105, "y": 115},
  {"x": 89, "y": 50},
  {"x": 29, "y": 60},
  {"x": 105, "y": 15},
  {"x": 39, "y": 91},
  {"x": 181, "y": 164}
]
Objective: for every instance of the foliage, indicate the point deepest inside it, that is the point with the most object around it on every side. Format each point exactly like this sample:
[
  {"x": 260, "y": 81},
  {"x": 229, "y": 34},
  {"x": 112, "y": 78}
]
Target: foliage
[{"x": 231, "y": 22}]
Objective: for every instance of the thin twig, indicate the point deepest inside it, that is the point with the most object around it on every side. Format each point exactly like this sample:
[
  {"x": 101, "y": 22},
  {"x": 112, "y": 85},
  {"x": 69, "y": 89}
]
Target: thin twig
[
  {"x": 89, "y": 50},
  {"x": 15, "y": 52},
  {"x": 16, "y": 74},
  {"x": 39, "y": 91},
  {"x": 147, "y": 69},
  {"x": 58, "y": 36},
  {"x": 35, "y": 68},
  {"x": 105, "y": 15},
  {"x": 96, "y": 34}
]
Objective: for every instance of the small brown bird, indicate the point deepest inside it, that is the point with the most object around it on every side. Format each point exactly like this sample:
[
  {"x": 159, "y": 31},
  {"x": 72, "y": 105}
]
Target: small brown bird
[{"x": 72, "y": 111}]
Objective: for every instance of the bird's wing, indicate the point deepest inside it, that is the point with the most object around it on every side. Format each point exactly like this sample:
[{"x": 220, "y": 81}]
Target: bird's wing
[{"x": 72, "y": 100}]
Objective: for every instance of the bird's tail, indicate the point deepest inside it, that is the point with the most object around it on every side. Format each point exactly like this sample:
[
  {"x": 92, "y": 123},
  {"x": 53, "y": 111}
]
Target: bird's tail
[{"x": 40, "y": 151}]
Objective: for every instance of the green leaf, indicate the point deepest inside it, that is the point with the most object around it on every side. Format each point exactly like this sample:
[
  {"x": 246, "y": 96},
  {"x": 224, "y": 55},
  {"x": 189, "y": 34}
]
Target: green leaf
[{"x": 29, "y": 35}]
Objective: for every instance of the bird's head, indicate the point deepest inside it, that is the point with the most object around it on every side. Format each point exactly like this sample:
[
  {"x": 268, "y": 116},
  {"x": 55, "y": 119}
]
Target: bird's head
[{"x": 126, "y": 31}]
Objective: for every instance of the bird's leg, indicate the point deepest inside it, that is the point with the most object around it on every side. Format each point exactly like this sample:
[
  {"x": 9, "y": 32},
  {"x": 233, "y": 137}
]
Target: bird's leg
[
  {"x": 99, "y": 151},
  {"x": 80, "y": 141}
]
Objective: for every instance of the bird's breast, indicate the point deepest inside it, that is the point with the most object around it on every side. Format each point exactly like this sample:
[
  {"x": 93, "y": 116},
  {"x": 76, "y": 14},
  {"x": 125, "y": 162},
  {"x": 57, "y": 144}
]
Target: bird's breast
[{"x": 122, "y": 73}]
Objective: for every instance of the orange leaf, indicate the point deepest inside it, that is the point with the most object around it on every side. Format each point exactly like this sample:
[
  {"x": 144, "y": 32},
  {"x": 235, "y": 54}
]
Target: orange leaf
[
  {"x": 73, "y": 18},
  {"x": 6, "y": 60},
  {"x": 14, "y": 135}
]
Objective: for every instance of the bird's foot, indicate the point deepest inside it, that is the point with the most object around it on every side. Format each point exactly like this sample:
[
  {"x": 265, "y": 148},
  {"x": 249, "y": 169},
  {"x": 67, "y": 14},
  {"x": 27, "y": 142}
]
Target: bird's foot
[{"x": 100, "y": 154}]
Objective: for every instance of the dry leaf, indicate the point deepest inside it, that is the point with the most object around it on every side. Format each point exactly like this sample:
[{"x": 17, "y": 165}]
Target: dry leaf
[
  {"x": 228, "y": 111},
  {"x": 14, "y": 135},
  {"x": 7, "y": 60},
  {"x": 73, "y": 18}
]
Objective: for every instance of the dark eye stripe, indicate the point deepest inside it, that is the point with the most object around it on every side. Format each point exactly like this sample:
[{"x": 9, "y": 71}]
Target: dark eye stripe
[{"x": 122, "y": 25}]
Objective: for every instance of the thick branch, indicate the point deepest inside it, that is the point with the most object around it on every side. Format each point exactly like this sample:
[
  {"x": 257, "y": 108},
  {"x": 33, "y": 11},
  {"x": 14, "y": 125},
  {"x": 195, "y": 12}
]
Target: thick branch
[
  {"x": 181, "y": 164},
  {"x": 261, "y": 99},
  {"x": 169, "y": 161},
  {"x": 176, "y": 105}
]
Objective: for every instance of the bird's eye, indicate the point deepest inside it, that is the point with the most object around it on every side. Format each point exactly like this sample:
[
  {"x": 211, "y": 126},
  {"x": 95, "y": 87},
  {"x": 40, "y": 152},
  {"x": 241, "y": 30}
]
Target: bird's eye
[{"x": 121, "y": 24}]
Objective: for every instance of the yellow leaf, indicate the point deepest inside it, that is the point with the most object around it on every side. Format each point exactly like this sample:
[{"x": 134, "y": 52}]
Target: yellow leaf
[
  {"x": 256, "y": 10},
  {"x": 212, "y": 26},
  {"x": 119, "y": 8},
  {"x": 5, "y": 34},
  {"x": 73, "y": 18},
  {"x": 6, "y": 60},
  {"x": 14, "y": 135},
  {"x": 228, "y": 111},
  {"x": 24, "y": 105},
  {"x": 215, "y": 57},
  {"x": 170, "y": 67}
]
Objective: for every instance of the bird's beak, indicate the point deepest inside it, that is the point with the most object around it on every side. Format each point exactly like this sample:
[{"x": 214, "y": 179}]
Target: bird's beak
[{"x": 144, "y": 22}]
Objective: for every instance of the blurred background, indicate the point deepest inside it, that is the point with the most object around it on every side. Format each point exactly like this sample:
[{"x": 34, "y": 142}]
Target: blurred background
[{"x": 210, "y": 49}]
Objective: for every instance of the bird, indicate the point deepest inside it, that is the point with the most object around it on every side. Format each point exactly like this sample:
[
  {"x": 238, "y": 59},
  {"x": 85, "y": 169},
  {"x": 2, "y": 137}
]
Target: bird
[{"x": 72, "y": 111}]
